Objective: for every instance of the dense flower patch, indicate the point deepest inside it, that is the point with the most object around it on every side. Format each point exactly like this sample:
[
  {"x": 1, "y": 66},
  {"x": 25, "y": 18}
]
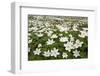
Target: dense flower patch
[{"x": 57, "y": 37}]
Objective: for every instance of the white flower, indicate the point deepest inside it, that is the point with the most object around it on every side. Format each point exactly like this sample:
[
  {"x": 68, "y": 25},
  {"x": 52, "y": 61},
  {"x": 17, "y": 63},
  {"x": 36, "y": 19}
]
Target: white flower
[
  {"x": 76, "y": 53},
  {"x": 29, "y": 34},
  {"x": 37, "y": 51},
  {"x": 54, "y": 29},
  {"x": 75, "y": 27},
  {"x": 64, "y": 55},
  {"x": 54, "y": 36},
  {"x": 42, "y": 30},
  {"x": 50, "y": 42},
  {"x": 49, "y": 33},
  {"x": 31, "y": 21},
  {"x": 83, "y": 34},
  {"x": 54, "y": 52},
  {"x": 39, "y": 23},
  {"x": 47, "y": 53},
  {"x": 39, "y": 34},
  {"x": 29, "y": 41},
  {"x": 47, "y": 24},
  {"x": 34, "y": 29},
  {"x": 39, "y": 45},
  {"x": 63, "y": 39},
  {"x": 66, "y": 32},
  {"x": 68, "y": 46},
  {"x": 71, "y": 37},
  {"x": 29, "y": 24},
  {"x": 49, "y": 29},
  {"x": 62, "y": 28},
  {"x": 28, "y": 49},
  {"x": 39, "y": 17},
  {"x": 30, "y": 29},
  {"x": 43, "y": 27},
  {"x": 34, "y": 23},
  {"x": 85, "y": 29},
  {"x": 60, "y": 34},
  {"x": 78, "y": 43}
]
